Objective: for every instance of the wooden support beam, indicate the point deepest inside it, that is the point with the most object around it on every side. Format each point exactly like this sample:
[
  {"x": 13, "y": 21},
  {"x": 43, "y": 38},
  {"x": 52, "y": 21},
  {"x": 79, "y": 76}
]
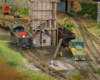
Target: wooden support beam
[
  {"x": 57, "y": 49},
  {"x": 40, "y": 9},
  {"x": 45, "y": 1}
]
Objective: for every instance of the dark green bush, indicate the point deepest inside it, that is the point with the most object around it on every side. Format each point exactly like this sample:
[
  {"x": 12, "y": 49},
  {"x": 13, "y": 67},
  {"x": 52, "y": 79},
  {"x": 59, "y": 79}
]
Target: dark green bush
[
  {"x": 94, "y": 15},
  {"x": 13, "y": 63},
  {"x": 80, "y": 12},
  {"x": 98, "y": 26},
  {"x": 88, "y": 8},
  {"x": 72, "y": 11},
  {"x": 90, "y": 11},
  {"x": 0, "y": 7}
]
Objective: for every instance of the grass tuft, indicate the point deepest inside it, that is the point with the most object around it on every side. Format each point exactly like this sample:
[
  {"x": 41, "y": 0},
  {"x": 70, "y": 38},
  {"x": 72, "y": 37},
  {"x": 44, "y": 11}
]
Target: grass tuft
[
  {"x": 98, "y": 26},
  {"x": 12, "y": 63},
  {"x": 16, "y": 60},
  {"x": 76, "y": 75}
]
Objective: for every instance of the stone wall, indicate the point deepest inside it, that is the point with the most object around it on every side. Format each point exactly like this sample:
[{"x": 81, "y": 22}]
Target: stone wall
[
  {"x": 73, "y": 5},
  {"x": 76, "y": 6}
]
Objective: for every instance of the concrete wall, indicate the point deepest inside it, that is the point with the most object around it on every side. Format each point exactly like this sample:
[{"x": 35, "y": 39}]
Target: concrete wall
[{"x": 61, "y": 7}]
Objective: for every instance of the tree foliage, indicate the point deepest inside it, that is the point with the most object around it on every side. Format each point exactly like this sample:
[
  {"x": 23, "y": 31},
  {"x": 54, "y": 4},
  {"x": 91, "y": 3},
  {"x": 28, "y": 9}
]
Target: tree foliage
[{"x": 88, "y": 8}]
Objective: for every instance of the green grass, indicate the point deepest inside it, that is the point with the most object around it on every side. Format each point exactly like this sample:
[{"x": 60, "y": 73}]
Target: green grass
[
  {"x": 98, "y": 26},
  {"x": 76, "y": 75},
  {"x": 89, "y": 25},
  {"x": 99, "y": 35},
  {"x": 16, "y": 60},
  {"x": 0, "y": 7}
]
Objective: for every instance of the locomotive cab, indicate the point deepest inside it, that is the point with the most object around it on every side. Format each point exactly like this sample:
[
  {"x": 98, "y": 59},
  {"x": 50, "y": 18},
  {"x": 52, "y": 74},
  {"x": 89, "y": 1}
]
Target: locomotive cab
[
  {"x": 77, "y": 49},
  {"x": 5, "y": 8},
  {"x": 15, "y": 27},
  {"x": 22, "y": 40}
]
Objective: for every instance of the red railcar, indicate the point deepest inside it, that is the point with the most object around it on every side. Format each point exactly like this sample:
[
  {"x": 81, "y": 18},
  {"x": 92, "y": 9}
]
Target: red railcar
[
  {"x": 65, "y": 34},
  {"x": 5, "y": 8}
]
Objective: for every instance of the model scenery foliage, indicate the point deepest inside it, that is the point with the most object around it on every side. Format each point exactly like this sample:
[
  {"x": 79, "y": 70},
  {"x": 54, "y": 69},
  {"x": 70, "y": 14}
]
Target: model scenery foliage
[
  {"x": 88, "y": 8},
  {"x": 0, "y": 7},
  {"x": 24, "y": 12}
]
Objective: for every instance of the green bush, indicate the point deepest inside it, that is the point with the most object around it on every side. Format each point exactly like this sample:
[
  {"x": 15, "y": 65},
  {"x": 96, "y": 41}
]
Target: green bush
[
  {"x": 19, "y": 10},
  {"x": 72, "y": 11},
  {"x": 90, "y": 9},
  {"x": 98, "y": 71},
  {"x": 98, "y": 26},
  {"x": 80, "y": 12},
  {"x": 12, "y": 63},
  {"x": 25, "y": 11},
  {"x": 94, "y": 15},
  {"x": 99, "y": 35},
  {"x": 68, "y": 24},
  {"x": 0, "y": 7}
]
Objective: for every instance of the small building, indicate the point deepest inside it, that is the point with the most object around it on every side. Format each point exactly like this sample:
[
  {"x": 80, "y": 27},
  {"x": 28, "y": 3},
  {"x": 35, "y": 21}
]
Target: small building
[{"x": 46, "y": 39}]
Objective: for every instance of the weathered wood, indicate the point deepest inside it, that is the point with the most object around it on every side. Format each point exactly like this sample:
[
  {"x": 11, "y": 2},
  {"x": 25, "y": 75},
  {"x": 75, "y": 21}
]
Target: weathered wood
[
  {"x": 57, "y": 49},
  {"x": 44, "y": 11}
]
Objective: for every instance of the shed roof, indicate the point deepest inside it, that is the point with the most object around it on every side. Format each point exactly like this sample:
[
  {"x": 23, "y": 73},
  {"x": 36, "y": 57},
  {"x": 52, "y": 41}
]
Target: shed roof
[{"x": 42, "y": 33}]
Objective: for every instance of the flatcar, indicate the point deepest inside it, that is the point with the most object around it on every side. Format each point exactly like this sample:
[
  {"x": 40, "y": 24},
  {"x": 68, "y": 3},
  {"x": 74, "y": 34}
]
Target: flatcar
[
  {"x": 65, "y": 34},
  {"x": 77, "y": 49},
  {"x": 22, "y": 39},
  {"x": 5, "y": 8}
]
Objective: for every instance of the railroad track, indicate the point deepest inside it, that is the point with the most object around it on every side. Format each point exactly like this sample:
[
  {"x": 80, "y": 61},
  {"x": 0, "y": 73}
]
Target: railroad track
[
  {"x": 43, "y": 66},
  {"x": 85, "y": 71},
  {"x": 87, "y": 38}
]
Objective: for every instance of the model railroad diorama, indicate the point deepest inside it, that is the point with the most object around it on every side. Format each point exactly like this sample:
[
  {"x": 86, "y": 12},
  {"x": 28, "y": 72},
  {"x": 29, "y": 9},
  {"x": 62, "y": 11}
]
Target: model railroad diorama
[{"x": 41, "y": 39}]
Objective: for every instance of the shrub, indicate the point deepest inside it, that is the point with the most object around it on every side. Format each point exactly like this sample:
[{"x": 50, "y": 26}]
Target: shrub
[
  {"x": 98, "y": 26},
  {"x": 94, "y": 15},
  {"x": 72, "y": 11},
  {"x": 99, "y": 35},
  {"x": 0, "y": 7},
  {"x": 90, "y": 9},
  {"x": 13, "y": 63},
  {"x": 80, "y": 12},
  {"x": 68, "y": 24},
  {"x": 25, "y": 11},
  {"x": 98, "y": 71},
  {"x": 19, "y": 10}
]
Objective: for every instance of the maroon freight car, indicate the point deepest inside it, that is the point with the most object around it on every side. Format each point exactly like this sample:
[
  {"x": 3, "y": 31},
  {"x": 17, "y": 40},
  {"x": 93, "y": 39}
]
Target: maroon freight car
[{"x": 65, "y": 34}]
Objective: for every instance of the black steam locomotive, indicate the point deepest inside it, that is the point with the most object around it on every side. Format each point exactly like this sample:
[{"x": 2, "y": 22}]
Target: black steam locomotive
[{"x": 22, "y": 39}]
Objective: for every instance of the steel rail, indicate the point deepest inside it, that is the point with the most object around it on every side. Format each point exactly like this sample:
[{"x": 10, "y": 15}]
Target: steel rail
[{"x": 51, "y": 71}]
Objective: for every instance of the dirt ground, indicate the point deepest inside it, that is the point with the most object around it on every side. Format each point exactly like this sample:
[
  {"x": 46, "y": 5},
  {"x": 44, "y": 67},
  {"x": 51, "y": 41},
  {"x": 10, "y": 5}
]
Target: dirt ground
[{"x": 8, "y": 72}]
